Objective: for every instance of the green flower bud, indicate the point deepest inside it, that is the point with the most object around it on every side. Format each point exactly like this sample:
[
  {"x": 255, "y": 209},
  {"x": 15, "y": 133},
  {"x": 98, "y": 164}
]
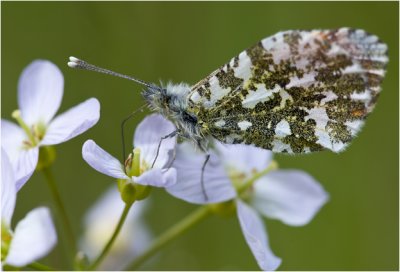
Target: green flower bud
[
  {"x": 128, "y": 192},
  {"x": 131, "y": 192},
  {"x": 142, "y": 191}
]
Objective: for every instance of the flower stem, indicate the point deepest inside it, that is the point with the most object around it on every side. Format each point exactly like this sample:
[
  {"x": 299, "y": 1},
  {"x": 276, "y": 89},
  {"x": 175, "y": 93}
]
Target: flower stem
[
  {"x": 172, "y": 233},
  {"x": 39, "y": 267},
  {"x": 60, "y": 206},
  {"x": 110, "y": 242}
]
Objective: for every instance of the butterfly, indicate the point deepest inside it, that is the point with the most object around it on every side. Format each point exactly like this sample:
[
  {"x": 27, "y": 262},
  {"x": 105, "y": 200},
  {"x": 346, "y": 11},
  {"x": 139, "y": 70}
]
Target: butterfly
[{"x": 293, "y": 92}]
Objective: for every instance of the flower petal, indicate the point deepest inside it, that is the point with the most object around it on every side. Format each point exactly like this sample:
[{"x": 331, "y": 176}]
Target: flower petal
[
  {"x": 189, "y": 163},
  {"x": 23, "y": 160},
  {"x": 170, "y": 176},
  {"x": 12, "y": 138},
  {"x": 100, "y": 222},
  {"x": 157, "y": 178},
  {"x": 8, "y": 190},
  {"x": 25, "y": 166},
  {"x": 33, "y": 238},
  {"x": 256, "y": 237},
  {"x": 292, "y": 196},
  {"x": 103, "y": 162},
  {"x": 40, "y": 91},
  {"x": 244, "y": 158},
  {"x": 148, "y": 135},
  {"x": 73, "y": 122}
]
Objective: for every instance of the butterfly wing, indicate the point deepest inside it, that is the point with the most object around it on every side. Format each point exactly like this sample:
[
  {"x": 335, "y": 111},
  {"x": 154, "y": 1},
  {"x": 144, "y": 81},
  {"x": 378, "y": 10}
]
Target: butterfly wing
[{"x": 295, "y": 92}]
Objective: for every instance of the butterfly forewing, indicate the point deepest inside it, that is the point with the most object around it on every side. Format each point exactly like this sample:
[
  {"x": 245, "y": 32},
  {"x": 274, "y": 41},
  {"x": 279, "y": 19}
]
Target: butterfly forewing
[{"x": 295, "y": 92}]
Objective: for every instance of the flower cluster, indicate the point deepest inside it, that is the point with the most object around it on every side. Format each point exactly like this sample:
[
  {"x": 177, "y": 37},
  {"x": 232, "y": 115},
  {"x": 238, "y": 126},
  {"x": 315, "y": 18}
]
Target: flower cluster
[
  {"x": 40, "y": 91},
  {"x": 235, "y": 179},
  {"x": 35, "y": 232},
  {"x": 291, "y": 196},
  {"x": 147, "y": 164}
]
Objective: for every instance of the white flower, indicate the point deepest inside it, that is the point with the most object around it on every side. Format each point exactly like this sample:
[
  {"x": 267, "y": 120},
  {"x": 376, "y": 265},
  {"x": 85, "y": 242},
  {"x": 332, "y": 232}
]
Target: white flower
[
  {"x": 100, "y": 222},
  {"x": 147, "y": 138},
  {"x": 291, "y": 196},
  {"x": 188, "y": 164},
  {"x": 40, "y": 92},
  {"x": 34, "y": 236}
]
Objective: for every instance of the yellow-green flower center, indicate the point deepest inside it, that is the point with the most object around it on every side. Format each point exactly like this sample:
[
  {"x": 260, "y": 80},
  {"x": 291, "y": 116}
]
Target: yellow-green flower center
[
  {"x": 6, "y": 238},
  {"x": 243, "y": 182},
  {"x": 34, "y": 134},
  {"x": 133, "y": 168},
  {"x": 236, "y": 176}
]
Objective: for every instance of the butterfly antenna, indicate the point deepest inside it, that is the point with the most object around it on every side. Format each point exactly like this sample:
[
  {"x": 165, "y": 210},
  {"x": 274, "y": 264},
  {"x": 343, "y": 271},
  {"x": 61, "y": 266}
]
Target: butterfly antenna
[{"x": 81, "y": 64}]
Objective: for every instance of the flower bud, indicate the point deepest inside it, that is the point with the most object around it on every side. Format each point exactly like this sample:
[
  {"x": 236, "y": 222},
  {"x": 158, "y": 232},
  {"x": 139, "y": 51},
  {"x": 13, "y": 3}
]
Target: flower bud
[
  {"x": 131, "y": 192},
  {"x": 142, "y": 191},
  {"x": 127, "y": 191}
]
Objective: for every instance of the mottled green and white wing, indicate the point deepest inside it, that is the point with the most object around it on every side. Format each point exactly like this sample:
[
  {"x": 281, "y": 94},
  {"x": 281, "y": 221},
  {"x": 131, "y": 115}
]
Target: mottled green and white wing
[{"x": 295, "y": 92}]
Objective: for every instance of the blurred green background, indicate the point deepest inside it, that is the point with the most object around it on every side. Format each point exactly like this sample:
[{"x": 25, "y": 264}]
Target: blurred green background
[{"x": 356, "y": 230}]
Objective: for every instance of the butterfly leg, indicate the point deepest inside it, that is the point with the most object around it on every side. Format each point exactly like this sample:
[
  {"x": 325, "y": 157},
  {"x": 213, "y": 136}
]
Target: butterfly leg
[
  {"x": 203, "y": 188},
  {"x": 169, "y": 164},
  {"x": 172, "y": 134},
  {"x": 123, "y": 128}
]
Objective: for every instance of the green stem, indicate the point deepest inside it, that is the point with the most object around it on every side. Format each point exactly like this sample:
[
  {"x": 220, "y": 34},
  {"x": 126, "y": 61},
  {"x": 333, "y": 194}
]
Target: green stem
[
  {"x": 60, "y": 206},
  {"x": 107, "y": 247},
  {"x": 245, "y": 185},
  {"x": 172, "y": 233},
  {"x": 39, "y": 267}
]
